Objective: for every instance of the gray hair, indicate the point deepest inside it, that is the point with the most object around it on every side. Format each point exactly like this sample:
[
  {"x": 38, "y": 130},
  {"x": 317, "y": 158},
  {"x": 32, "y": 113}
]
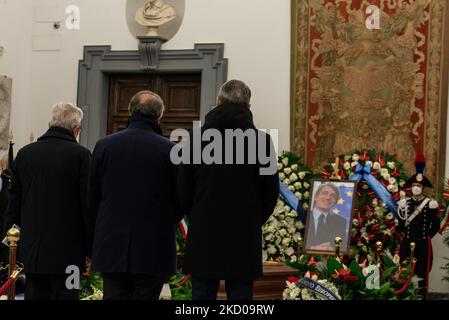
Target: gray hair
[
  {"x": 66, "y": 115},
  {"x": 234, "y": 92},
  {"x": 152, "y": 106}
]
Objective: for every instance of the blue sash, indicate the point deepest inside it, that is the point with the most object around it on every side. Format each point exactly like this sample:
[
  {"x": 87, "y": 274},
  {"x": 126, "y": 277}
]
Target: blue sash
[
  {"x": 292, "y": 200},
  {"x": 317, "y": 288},
  {"x": 364, "y": 173}
]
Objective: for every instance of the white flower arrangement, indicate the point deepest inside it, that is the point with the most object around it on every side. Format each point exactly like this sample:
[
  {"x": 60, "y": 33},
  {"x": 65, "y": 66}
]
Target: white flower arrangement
[{"x": 282, "y": 231}]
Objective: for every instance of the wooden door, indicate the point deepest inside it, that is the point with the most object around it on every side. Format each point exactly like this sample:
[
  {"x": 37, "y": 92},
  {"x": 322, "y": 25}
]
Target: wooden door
[{"x": 181, "y": 94}]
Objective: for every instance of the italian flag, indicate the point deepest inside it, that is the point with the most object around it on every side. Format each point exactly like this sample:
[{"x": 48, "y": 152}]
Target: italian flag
[{"x": 184, "y": 225}]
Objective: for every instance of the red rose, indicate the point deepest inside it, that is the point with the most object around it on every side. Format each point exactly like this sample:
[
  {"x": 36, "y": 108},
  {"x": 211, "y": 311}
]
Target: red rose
[
  {"x": 293, "y": 279},
  {"x": 381, "y": 160},
  {"x": 364, "y": 156},
  {"x": 396, "y": 172}
]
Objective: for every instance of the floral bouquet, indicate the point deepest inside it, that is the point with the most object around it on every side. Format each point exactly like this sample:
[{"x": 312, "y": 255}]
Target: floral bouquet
[{"x": 284, "y": 228}]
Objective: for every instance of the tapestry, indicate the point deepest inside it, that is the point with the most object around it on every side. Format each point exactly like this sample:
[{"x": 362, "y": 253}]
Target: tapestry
[
  {"x": 5, "y": 110},
  {"x": 358, "y": 87}
]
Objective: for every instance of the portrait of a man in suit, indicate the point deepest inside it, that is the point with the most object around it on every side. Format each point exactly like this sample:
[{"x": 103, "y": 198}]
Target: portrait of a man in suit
[{"x": 329, "y": 216}]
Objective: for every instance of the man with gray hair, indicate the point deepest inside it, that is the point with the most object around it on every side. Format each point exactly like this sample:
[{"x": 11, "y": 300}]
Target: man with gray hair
[
  {"x": 227, "y": 204},
  {"x": 132, "y": 192},
  {"x": 48, "y": 202}
]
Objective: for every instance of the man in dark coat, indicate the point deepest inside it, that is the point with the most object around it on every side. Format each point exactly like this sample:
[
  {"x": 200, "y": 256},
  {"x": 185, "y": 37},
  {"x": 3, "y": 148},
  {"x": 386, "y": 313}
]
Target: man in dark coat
[
  {"x": 419, "y": 222},
  {"x": 48, "y": 203},
  {"x": 227, "y": 204},
  {"x": 324, "y": 225},
  {"x": 132, "y": 190}
]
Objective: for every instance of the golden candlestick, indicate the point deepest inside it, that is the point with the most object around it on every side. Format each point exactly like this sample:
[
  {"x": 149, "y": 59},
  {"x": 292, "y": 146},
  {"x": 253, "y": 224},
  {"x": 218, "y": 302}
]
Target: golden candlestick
[
  {"x": 300, "y": 247},
  {"x": 10, "y": 137},
  {"x": 412, "y": 252},
  {"x": 338, "y": 242},
  {"x": 335, "y": 175},
  {"x": 13, "y": 237},
  {"x": 379, "y": 250}
]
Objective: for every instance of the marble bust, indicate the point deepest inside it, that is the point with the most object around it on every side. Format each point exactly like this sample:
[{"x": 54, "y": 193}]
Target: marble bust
[{"x": 154, "y": 14}]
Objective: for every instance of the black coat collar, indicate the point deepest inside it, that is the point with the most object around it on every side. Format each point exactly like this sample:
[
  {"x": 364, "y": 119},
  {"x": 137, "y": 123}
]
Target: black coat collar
[
  {"x": 140, "y": 121},
  {"x": 59, "y": 133},
  {"x": 230, "y": 116}
]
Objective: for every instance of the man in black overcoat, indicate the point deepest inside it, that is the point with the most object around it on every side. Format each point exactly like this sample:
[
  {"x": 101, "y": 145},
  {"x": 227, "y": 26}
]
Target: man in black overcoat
[
  {"x": 48, "y": 202},
  {"x": 228, "y": 203},
  {"x": 132, "y": 192}
]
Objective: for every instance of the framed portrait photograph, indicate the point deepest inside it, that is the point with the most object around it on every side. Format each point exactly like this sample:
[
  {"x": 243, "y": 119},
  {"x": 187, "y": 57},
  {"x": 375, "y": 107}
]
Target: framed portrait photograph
[{"x": 330, "y": 216}]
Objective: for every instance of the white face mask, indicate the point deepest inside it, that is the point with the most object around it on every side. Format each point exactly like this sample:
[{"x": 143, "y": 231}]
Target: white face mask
[{"x": 416, "y": 191}]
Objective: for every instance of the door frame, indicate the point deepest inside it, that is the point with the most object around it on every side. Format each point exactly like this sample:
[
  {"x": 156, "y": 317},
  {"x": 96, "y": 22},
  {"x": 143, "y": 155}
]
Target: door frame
[{"x": 99, "y": 62}]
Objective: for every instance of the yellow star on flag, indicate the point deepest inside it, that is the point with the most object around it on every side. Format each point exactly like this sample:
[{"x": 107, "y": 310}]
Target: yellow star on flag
[{"x": 341, "y": 201}]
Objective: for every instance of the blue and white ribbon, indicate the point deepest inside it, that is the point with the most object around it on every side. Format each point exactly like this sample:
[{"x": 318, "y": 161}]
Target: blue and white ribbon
[
  {"x": 364, "y": 173},
  {"x": 292, "y": 200},
  {"x": 317, "y": 288}
]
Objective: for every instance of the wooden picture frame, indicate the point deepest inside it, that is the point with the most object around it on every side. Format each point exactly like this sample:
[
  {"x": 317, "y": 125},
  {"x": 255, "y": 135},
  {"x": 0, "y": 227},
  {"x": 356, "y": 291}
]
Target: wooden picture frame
[{"x": 339, "y": 215}]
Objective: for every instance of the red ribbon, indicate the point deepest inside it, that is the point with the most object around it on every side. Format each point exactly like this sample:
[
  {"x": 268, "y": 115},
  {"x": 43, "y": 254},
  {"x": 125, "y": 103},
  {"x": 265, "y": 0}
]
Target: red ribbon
[{"x": 407, "y": 283}]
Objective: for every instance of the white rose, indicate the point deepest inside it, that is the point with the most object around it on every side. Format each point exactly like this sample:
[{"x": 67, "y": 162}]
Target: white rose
[
  {"x": 293, "y": 177},
  {"x": 280, "y": 166},
  {"x": 287, "y": 181},
  {"x": 305, "y": 206},
  {"x": 289, "y": 251},
  {"x": 396, "y": 188},
  {"x": 302, "y": 174},
  {"x": 287, "y": 209},
  {"x": 392, "y": 181},
  {"x": 271, "y": 249},
  {"x": 376, "y": 166},
  {"x": 293, "y": 214},
  {"x": 286, "y": 241},
  {"x": 347, "y": 166},
  {"x": 306, "y": 195},
  {"x": 299, "y": 195},
  {"x": 390, "y": 187},
  {"x": 291, "y": 188},
  {"x": 293, "y": 258},
  {"x": 355, "y": 157},
  {"x": 287, "y": 171},
  {"x": 268, "y": 237},
  {"x": 383, "y": 172},
  {"x": 369, "y": 163},
  {"x": 298, "y": 185},
  {"x": 271, "y": 229},
  {"x": 285, "y": 161},
  {"x": 281, "y": 176},
  {"x": 291, "y": 230},
  {"x": 391, "y": 165},
  {"x": 294, "y": 167},
  {"x": 283, "y": 232},
  {"x": 306, "y": 185},
  {"x": 296, "y": 237},
  {"x": 401, "y": 183}
]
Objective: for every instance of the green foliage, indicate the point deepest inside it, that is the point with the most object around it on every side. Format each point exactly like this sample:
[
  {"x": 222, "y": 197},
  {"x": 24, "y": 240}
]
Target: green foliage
[
  {"x": 88, "y": 283},
  {"x": 179, "y": 290}
]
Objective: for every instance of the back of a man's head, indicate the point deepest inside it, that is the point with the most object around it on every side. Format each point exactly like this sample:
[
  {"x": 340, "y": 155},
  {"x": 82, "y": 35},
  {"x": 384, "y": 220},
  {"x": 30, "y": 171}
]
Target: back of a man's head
[
  {"x": 147, "y": 103},
  {"x": 66, "y": 115},
  {"x": 234, "y": 92}
]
